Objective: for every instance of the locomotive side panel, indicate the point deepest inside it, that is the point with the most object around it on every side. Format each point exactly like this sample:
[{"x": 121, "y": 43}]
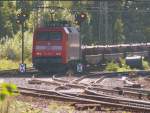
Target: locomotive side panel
[{"x": 73, "y": 44}]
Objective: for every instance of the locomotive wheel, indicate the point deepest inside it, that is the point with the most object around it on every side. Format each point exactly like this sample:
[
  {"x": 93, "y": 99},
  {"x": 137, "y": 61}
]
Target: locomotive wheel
[{"x": 41, "y": 68}]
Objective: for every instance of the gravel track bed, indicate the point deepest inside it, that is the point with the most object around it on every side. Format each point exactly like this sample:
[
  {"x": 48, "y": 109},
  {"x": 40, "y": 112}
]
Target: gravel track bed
[
  {"x": 23, "y": 82},
  {"x": 68, "y": 78},
  {"x": 43, "y": 104},
  {"x": 112, "y": 82},
  {"x": 141, "y": 80},
  {"x": 88, "y": 80}
]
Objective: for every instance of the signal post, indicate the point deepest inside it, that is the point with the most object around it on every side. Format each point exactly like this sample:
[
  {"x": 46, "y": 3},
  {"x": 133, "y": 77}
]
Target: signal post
[
  {"x": 21, "y": 17},
  {"x": 79, "y": 19}
]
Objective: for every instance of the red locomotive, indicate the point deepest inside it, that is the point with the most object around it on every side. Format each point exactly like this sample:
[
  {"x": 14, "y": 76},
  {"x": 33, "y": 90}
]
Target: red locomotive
[{"x": 55, "y": 47}]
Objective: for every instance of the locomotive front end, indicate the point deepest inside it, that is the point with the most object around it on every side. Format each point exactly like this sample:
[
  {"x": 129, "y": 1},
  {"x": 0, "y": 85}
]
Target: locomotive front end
[{"x": 48, "y": 48}]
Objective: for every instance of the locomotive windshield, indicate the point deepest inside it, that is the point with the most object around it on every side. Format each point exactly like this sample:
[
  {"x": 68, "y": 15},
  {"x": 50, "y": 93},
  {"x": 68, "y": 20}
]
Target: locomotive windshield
[{"x": 48, "y": 35}]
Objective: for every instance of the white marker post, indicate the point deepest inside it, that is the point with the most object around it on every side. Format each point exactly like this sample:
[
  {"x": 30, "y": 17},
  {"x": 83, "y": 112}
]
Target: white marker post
[
  {"x": 79, "y": 68},
  {"x": 22, "y": 68}
]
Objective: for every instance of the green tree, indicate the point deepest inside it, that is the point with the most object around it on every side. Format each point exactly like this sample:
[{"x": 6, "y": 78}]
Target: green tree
[
  {"x": 7, "y": 12},
  {"x": 7, "y": 90},
  {"x": 118, "y": 28}
]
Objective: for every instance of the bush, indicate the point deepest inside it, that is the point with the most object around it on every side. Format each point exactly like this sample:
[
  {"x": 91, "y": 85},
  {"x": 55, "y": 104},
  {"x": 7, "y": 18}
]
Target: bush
[
  {"x": 123, "y": 69},
  {"x": 7, "y": 90},
  {"x": 117, "y": 67},
  {"x": 11, "y": 48},
  {"x": 112, "y": 66},
  {"x": 10, "y": 51},
  {"x": 145, "y": 64},
  {"x": 123, "y": 66}
]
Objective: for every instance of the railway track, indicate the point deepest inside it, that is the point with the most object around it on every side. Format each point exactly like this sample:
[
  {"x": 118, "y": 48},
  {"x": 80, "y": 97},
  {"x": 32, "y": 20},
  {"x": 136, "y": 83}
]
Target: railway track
[
  {"x": 88, "y": 99},
  {"x": 90, "y": 93},
  {"x": 95, "y": 86},
  {"x": 123, "y": 91},
  {"x": 30, "y": 71},
  {"x": 16, "y": 73},
  {"x": 88, "y": 96}
]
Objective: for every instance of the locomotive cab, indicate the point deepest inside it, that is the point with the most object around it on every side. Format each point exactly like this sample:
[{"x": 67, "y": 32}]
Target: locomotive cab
[{"x": 55, "y": 48}]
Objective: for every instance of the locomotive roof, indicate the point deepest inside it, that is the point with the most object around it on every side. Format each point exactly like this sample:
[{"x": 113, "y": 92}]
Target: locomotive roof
[{"x": 68, "y": 30}]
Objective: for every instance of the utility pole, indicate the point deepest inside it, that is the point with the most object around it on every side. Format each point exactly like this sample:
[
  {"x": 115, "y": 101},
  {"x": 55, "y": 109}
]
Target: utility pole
[
  {"x": 103, "y": 22},
  {"x": 22, "y": 32},
  {"x": 106, "y": 20},
  {"x": 99, "y": 22}
]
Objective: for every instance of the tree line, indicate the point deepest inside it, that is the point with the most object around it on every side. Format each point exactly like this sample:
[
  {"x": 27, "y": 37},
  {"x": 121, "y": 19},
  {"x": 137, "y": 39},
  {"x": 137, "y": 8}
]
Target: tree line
[{"x": 108, "y": 22}]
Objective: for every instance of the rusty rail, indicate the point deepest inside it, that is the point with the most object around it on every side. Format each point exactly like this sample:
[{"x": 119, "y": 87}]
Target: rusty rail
[{"x": 84, "y": 98}]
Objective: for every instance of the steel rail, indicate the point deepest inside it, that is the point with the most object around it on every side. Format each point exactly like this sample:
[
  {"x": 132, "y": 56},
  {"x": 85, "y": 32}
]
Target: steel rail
[
  {"x": 37, "y": 81},
  {"x": 67, "y": 86},
  {"x": 100, "y": 96},
  {"x": 132, "y": 92},
  {"x": 62, "y": 85},
  {"x": 137, "y": 90},
  {"x": 91, "y": 92},
  {"x": 84, "y": 100},
  {"x": 31, "y": 71},
  {"x": 96, "y": 107},
  {"x": 75, "y": 83},
  {"x": 59, "y": 80},
  {"x": 108, "y": 99},
  {"x": 125, "y": 73}
]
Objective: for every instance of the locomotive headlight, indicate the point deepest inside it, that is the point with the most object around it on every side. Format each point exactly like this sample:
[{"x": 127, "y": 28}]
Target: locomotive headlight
[
  {"x": 38, "y": 53},
  {"x": 58, "y": 53}
]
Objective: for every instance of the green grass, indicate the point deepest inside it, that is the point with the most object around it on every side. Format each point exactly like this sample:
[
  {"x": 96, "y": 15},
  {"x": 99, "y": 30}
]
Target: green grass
[
  {"x": 56, "y": 107},
  {"x": 122, "y": 66},
  {"x": 146, "y": 65},
  {"x": 6, "y": 64},
  {"x": 10, "y": 105}
]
